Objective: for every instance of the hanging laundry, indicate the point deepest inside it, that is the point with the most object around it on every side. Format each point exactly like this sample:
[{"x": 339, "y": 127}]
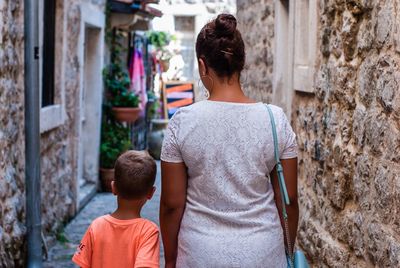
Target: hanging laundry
[{"x": 138, "y": 77}]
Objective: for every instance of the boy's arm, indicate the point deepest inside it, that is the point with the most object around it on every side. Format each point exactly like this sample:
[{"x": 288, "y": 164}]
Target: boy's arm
[
  {"x": 148, "y": 255},
  {"x": 83, "y": 254}
]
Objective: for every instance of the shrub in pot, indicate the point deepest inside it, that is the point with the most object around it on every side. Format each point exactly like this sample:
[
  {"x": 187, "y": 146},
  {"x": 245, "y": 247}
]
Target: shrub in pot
[
  {"x": 126, "y": 106},
  {"x": 115, "y": 140},
  {"x": 124, "y": 102}
]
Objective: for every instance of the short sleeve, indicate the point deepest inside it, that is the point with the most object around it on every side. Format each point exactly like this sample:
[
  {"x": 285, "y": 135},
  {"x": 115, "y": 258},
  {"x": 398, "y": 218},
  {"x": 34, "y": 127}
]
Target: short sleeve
[
  {"x": 170, "y": 151},
  {"x": 149, "y": 251},
  {"x": 83, "y": 254},
  {"x": 288, "y": 139}
]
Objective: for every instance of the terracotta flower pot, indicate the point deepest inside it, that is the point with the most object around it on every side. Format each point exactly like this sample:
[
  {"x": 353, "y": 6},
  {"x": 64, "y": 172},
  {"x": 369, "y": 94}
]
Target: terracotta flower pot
[
  {"x": 126, "y": 114},
  {"x": 106, "y": 176},
  {"x": 164, "y": 65}
]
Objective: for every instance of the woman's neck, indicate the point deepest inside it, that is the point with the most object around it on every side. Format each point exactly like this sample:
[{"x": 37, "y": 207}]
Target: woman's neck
[{"x": 228, "y": 90}]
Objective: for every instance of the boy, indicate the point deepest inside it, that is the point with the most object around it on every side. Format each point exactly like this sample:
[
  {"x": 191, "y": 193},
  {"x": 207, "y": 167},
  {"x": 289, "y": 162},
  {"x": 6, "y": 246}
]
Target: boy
[{"x": 123, "y": 239}]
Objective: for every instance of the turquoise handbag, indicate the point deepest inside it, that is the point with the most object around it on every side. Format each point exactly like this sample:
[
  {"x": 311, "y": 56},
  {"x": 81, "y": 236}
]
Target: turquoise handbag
[{"x": 297, "y": 259}]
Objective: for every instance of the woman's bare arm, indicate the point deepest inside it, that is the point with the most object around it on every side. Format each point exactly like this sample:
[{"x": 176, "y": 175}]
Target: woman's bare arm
[
  {"x": 172, "y": 205},
  {"x": 290, "y": 174}
]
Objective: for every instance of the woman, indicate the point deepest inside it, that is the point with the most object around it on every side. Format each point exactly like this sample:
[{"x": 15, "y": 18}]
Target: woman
[{"x": 217, "y": 201}]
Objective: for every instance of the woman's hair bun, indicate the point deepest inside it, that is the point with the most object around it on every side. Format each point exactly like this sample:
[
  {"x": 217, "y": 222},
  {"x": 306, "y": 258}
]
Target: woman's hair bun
[{"x": 225, "y": 25}]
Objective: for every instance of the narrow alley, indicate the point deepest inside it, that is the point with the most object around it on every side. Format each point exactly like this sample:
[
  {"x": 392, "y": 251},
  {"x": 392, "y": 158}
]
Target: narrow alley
[{"x": 84, "y": 81}]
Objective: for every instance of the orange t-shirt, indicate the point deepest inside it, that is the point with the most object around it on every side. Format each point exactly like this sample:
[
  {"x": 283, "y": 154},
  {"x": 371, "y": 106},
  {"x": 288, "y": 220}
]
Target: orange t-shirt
[{"x": 109, "y": 242}]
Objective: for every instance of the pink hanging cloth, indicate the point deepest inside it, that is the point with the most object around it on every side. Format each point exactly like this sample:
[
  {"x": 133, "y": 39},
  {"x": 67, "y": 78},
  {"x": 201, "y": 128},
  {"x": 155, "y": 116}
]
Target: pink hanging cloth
[{"x": 138, "y": 78}]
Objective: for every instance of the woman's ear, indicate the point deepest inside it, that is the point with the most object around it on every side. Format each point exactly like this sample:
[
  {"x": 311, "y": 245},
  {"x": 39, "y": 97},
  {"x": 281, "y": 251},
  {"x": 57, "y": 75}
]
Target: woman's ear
[{"x": 202, "y": 67}]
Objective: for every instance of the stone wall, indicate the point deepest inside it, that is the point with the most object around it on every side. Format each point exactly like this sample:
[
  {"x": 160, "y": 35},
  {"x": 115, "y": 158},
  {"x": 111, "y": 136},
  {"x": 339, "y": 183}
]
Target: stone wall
[
  {"x": 58, "y": 145},
  {"x": 12, "y": 163},
  {"x": 256, "y": 24},
  {"x": 348, "y": 133},
  {"x": 349, "y": 138}
]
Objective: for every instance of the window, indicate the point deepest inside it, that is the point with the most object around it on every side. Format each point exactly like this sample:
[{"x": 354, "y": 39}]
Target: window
[
  {"x": 49, "y": 23},
  {"x": 184, "y": 29},
  {"x": 282, "y": 90},
  {"x": 52, "y": 29},
  {"x": 184, "y": 23},
  {"x": 295, "y": 49},
  {"x": 305, "y": 44}
]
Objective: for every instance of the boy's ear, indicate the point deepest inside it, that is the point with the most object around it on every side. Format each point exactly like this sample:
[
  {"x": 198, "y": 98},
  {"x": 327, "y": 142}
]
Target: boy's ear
[
  {"x": 113, "y": 188},
  {"x": 151, "y": 193}
]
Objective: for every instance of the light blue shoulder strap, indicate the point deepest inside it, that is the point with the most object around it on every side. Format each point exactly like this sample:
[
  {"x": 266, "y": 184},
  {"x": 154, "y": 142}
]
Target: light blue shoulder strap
[{"x": 279, "y": 168}]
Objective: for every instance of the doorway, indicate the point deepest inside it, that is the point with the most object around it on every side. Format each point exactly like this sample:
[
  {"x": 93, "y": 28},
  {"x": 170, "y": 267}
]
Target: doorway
[{"x": 90, "y": 114}]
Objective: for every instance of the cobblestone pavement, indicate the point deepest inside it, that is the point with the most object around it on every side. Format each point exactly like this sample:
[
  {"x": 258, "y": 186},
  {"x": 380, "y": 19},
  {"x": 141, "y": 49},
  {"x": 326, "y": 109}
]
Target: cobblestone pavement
[{"x": 103, "y": 203}]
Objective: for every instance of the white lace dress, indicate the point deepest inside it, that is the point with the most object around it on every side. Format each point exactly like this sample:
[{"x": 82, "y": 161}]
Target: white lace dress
[{"x": 230, "y": 218}]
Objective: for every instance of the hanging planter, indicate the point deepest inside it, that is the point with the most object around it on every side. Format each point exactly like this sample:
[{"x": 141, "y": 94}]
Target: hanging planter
[
  {"x": 126, "y": 114},
  {"x": 124, "y": 103},
  {"x": 126, "y": 107}
]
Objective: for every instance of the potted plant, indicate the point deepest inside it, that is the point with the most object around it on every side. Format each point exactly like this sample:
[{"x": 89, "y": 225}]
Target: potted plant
[
  {"x": 160, "y": 40},
  {"x": 115, "y": 140},
  {"x": 125, "y": 107},
  {"x": 125, "y": 104}
]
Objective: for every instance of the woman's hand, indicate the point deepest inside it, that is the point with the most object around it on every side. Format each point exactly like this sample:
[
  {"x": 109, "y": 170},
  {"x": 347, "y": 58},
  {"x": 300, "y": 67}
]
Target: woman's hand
[
  {"x": 172, "y": 205},
  {"x": 170, "y": 264}
]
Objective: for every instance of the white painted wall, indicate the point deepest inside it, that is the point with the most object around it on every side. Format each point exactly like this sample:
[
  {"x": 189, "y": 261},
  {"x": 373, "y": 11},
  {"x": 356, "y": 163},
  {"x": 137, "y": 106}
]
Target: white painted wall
[{"x": 91, "y": 60}]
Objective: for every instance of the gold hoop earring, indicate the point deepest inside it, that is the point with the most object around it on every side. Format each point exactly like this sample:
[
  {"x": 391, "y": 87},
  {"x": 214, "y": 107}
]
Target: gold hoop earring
[
  {"x": 204, "y": 90},
  {"x": 212, "y": 83}
]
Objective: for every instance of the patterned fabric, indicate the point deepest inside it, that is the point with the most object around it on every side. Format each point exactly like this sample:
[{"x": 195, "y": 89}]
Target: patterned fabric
[{"x": 230, "y": 219}]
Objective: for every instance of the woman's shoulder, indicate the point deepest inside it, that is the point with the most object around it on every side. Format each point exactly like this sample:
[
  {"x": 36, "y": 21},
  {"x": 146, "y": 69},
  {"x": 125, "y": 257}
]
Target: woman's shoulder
[
  {"x": 275, "y": 109},
  {"x": 188, "y": 112},
  {"x": 278, "y": 112}
]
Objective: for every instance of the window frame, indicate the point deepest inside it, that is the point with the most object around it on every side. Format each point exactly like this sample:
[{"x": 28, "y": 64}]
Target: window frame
[
  {"x": 53, "y": 115},
  {"x": 305, "y": 18}
]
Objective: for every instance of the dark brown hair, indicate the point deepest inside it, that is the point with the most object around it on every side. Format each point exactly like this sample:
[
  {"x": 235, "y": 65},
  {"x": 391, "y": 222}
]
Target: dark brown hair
[
  {"x": 221, "y": 46},
  {"x": 135, "y": 173}
]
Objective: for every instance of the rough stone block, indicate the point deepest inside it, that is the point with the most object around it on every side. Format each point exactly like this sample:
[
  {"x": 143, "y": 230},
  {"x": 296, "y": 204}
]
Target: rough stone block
[
  {"x": 385, "y": 192},
  {"x": 366, "y": 35},
  {"x": 339, "y": 189},
  {"x": 349, "y": 35},
  {"x": 367, "y": 81},
  {"x": 385, "y": 23},
  {"x": 387, "y": 84},
  {"x": 320, "y": 244},
  {"x": 362, "y": 180},
  {"x": 359, "y": 118},
  {"x": 383, "y": 248},
  {"x": 375, "y": 127}
]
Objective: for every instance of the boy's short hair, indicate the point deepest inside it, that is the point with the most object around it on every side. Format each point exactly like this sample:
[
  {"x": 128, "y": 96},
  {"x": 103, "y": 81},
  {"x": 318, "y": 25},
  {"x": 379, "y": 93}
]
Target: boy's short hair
[{"x": 135, "y": 173}]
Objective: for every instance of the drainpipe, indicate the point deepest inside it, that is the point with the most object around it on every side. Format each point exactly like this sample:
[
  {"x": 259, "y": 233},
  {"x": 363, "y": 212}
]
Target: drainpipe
[{"x": 32, "y": 135}]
